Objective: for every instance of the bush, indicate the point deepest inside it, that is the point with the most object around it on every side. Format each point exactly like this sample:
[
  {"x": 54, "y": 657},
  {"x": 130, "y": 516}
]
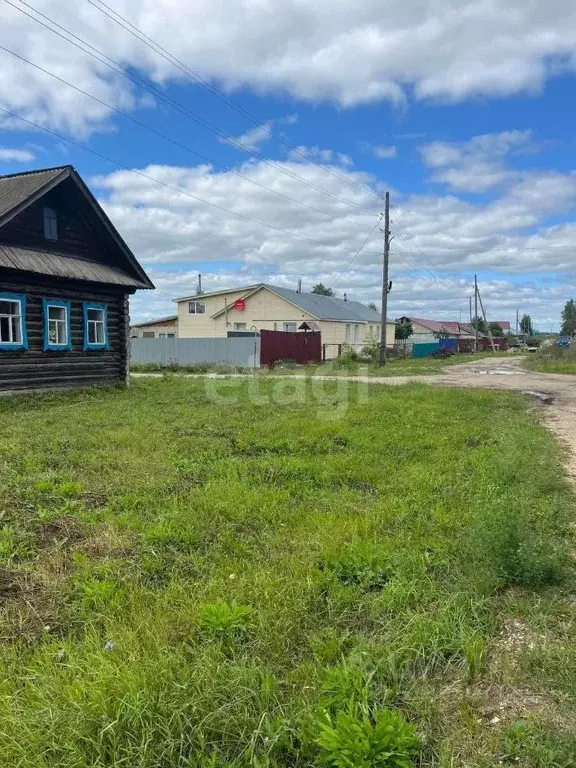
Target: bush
[
  {"x": 352, "y": 740},
  {"x": 371, "y": 352},
  {"x": 348, "y": 359},
  {"x": 442, "y": 354},
  {"x": 288, "y": 363}
]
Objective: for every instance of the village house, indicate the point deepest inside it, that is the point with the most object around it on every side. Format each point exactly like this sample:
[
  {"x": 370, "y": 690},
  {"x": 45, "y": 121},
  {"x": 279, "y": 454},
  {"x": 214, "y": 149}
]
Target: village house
[
  {"x": 430, "y": 330},
  {"x": 65, "y": 278},
  {"x": 268, "y": 307},
  {"x": 162, "y": 328}
]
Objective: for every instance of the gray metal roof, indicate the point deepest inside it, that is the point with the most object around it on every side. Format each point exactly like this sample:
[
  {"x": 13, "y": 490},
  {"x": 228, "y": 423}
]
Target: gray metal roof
[
  {"x": 328, "y": 307},
  {"x": 169, "y": 318},
  {"x": 18, "y": 187},
  {"x": 57, "y": 265}
]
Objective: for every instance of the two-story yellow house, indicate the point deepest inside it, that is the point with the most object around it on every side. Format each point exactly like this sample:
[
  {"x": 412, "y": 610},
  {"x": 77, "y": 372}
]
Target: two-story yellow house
[{"x": 269, "y": 307}]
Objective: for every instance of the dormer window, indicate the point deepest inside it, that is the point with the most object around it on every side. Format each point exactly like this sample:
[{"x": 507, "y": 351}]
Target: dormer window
[{"x": 50, "y": 224}]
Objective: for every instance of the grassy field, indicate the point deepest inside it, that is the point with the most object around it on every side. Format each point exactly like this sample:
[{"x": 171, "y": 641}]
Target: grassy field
[
  {"x": 552, "y": 360},
  {"x": 407, "y": 366},
  {"x": 279, "y": 583}
]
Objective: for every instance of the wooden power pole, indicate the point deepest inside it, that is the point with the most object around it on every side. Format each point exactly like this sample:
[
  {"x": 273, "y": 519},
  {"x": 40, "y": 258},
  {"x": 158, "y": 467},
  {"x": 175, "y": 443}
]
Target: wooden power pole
[
  {"x": 476, "y": 313},
  {"x": 486, "y": 321},
  {"x": 385, "y": 281}
]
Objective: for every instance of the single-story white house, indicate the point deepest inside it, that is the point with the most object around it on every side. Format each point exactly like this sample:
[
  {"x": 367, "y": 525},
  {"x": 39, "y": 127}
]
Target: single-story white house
[{"x": 270, "y": 307}]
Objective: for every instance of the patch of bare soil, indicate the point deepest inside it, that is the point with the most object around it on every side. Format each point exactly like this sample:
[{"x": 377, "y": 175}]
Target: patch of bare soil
[{"x": 27, "y": 608}]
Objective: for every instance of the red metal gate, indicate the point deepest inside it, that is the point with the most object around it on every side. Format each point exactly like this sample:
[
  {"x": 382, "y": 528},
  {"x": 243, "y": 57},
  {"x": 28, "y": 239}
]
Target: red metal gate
[{"x": 302, "y": 347}]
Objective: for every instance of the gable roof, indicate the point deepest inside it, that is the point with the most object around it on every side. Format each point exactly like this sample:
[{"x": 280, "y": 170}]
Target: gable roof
[
  {"x": 320, "y": 307},
  {"x": 327, "y": 307},
  {"x": 20, "y": 190},
  {"x": 168, "y": 319},
  {"x": 444, "y": 326}
]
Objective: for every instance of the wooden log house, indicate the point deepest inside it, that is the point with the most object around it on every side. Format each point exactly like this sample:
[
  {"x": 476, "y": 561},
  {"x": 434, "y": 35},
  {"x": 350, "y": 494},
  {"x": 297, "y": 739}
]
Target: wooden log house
[{"x": 65, "y": 278}]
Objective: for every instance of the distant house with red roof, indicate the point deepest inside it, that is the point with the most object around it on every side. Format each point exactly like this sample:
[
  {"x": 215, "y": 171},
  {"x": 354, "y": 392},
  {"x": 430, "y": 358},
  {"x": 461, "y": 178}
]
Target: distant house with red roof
[{"x": 429, "y": 330}]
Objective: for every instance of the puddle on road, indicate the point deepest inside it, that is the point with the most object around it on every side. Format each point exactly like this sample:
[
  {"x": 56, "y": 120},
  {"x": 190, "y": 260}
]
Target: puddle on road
[{"x": 497, "y": 372}]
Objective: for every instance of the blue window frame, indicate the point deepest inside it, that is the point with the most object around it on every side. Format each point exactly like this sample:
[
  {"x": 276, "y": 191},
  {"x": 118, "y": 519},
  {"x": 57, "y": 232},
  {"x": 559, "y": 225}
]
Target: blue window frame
[
  {"x": 57, "y": 334},
  {"x": 95, "y": 326},
  {"x": 13, "y": 334}
]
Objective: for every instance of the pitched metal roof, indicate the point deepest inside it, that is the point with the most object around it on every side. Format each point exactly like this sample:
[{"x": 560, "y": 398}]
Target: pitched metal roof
[
  {"x": 328, "y": 307},
  {"x": 17, "y": 188},
  {"x": 57, "y": 265},
  {"x": 169, "y": 318},
  {"x": 444, "y": 326}
]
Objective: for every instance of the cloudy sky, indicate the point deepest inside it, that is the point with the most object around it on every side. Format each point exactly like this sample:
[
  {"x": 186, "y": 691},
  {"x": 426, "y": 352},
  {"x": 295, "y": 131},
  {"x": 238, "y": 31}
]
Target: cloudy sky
[{"x": 253, "y": 140}]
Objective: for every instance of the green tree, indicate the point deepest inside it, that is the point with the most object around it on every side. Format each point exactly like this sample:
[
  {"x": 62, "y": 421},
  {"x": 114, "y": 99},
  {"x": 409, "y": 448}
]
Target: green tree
[
  {"x": 403, "y": 330},
  {"x": 321, "y": 289},
  {"x": 478, "y": 322},
  {"x": 372, "y": 305},
  {"x": 569, "y": 318},
  {"x": 526, "y": 325},
  {"x": 496, "y": 329}
]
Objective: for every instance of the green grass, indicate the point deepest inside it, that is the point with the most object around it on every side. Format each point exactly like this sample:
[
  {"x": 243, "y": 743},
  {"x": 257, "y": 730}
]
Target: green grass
[
  {"x": 551, "y": 359},
  {"x": 408, "y": 366},
  {"x": 279, "y": 583}
]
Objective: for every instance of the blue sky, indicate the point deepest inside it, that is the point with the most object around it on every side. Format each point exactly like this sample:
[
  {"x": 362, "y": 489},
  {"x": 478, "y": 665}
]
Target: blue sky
[{"x": 461, "y": 109}]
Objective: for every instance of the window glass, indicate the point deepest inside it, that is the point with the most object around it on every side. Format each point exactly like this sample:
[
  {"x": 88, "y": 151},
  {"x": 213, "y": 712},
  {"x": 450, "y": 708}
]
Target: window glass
[
  {"x": 292, "y": 327},
  {"x": 10, "y": 322},
  {"x": 50, "y": 224},
  {"x": 196, "y": 308},
  {"x": 239, "y": 326},
  {"x": 96, "y": 326},
  {"x": 57, "y": 326}
]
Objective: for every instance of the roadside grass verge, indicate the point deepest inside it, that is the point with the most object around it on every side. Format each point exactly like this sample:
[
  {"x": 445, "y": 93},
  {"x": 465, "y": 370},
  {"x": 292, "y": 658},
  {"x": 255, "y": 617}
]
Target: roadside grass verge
[
  {"x": 407, "y": 366},
  {"x": 274, "y": 583},
  {"x": 552, "y": 359}
]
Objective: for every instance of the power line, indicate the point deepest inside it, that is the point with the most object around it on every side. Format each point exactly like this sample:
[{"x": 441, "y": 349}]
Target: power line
[
  {"x": 208, "y": 86},
  {"x": 354, "y": 257},
  {"x": 157, "y": 181},
  {"x": 119, "y": 69},
  {"x": 173, "y": 141}
]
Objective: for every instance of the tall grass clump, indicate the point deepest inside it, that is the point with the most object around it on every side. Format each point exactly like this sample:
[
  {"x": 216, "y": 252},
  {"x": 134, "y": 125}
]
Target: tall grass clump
[{"x": 550, "y": 358}]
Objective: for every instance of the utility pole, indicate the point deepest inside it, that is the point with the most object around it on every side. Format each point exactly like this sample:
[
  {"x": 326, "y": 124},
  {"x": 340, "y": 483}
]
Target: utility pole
[
  {"x": 486, "y": 322},
  {"x": 476, "y": 312},
  {"x": 517, "y": 320},
  {"x": 385, "y": 282},
  {"x": 470, "y": 303}
]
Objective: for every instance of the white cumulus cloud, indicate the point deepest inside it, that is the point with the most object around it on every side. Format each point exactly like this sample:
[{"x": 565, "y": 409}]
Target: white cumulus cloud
[
  {"x": 337, "y": 51},
  {"x": 8, "y": 155}
]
